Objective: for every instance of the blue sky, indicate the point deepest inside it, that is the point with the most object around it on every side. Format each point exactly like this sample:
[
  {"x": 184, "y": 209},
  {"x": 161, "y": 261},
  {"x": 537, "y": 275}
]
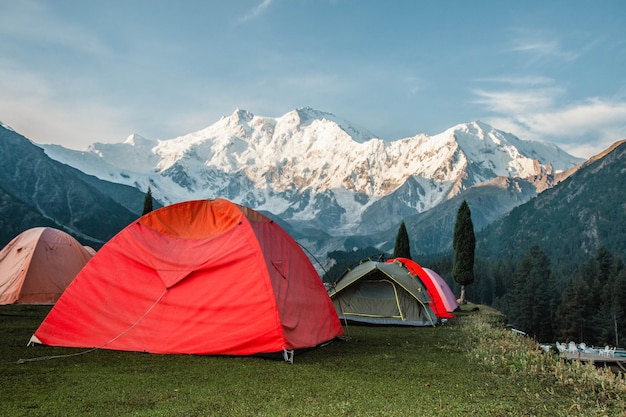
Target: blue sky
[{"x": 75, "y": 72}]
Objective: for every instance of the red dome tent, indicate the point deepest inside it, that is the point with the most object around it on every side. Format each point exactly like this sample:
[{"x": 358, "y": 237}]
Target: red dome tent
[
  {"x": 198, "y": 277},
  {"x": 447, "y": 296},
  {"x": 443, "y": 300}
]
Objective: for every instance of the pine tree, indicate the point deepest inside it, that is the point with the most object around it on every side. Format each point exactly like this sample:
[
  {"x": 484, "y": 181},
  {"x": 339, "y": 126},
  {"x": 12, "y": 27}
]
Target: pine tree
[
  {"x": 608, "y": 292},
  {"x": 571, "y": 314},
  {"x": 464, "y": 245},
  {"x": 619, "y": 308},
  {"x": 531, "y": 297},
  {"x": 592, "y": 307},
  {"x": 402, "y": 249},
  {"x": 147, "y": 202}
]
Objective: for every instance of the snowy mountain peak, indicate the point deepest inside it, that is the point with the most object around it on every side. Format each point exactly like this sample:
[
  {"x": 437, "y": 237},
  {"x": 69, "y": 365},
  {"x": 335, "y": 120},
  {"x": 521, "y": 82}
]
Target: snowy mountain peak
[
  {"x": 305, "y": 116},
  {"x": 314, "y": 167},
  {"x": 476, "y": 128},
  {"x": 242, "y": 116},
  {"x": 138, "y": 140},
  {"x": 504, "y": 154}
]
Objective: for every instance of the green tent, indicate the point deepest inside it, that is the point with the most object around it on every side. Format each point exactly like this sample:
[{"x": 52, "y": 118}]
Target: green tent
[{"x": 383, "y": 293}]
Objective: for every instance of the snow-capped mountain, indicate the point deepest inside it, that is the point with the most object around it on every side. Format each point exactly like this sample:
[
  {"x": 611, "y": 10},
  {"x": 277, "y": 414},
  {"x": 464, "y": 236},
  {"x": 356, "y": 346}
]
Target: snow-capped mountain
[{"x": 313, "y": 169}]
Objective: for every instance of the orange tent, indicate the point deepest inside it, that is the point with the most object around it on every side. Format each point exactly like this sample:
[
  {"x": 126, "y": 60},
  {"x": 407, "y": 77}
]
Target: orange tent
[
  {"x": 198, "y": 277},
  {"x": 38, "y": 264}
]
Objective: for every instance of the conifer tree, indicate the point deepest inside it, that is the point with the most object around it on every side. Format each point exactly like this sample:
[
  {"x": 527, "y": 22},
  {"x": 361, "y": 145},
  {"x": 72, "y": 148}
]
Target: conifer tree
[
  {"x": 147, "y": 202},
  {"x": 402, "y": 248},
  {"x": 532, "y": 294},
  {"x": 592, "y": 306},
  {"x": 464, "y": 245},
  {"x": 571, "y": 315},
  {"x": 619, "y": 307},
  {"x": 606, "y": 302}
]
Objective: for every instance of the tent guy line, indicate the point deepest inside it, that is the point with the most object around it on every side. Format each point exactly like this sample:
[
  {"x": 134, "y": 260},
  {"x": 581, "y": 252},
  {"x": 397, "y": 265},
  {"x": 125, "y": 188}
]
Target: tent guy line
[{"x": 33, "y": 340}]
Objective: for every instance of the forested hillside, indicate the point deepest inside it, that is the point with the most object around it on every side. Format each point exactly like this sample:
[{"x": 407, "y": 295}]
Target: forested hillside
[
  {"x": 38, "y": 191},
  {"x": 569, "y": 222},
  {"x": 554, "y": 265}
]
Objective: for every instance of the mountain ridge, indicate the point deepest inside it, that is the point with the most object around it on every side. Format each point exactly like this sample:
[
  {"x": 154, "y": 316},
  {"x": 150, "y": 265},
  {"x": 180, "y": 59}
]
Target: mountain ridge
[
  {"x": 38, "y": 191},
  {"x": 571, "y": 220},
  {"x": 429, "y": 215},
  {"x": 314, "y": 168}
]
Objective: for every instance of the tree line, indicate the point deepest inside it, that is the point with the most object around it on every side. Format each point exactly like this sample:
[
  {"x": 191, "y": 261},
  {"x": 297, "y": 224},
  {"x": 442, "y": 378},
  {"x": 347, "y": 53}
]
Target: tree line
[{"x": 586, "y": 305}]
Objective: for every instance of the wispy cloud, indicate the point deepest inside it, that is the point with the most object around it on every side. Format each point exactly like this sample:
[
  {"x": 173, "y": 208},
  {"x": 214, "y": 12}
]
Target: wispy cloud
[
  {"x": 540, "y": 45},
  {"x": 520, "y": 80},
  {"x": 255, "y": 12},
  {"x": 534, "y": 106},
  {"x": 517, "y": 101},
  {"x": 590, "y": 126},
  {"x": 580, "y": 119},
  {"x": 536, "y": 114}
]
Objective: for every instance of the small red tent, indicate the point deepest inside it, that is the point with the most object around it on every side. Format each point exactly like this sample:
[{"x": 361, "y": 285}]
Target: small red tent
[
  {"x": 198, "y": 277},
  {"x": 437, "y": 289},
  {"x": 447, "y": 296}
]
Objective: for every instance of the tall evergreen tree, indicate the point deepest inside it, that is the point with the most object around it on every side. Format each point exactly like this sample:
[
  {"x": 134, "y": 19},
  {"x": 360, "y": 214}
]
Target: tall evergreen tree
[
  {"x": 601, "y": 308},
  {"x": 571, "y": 314},
  {"x": 608, "y": 301},
  {"x": 464, "y": 245},
  {"x": 402, "y": 249},
  {"x": 147, "y": 202},
  {"x": 619, "y": 306},
  {"x": 531, "y": 297},
  {"x": 592, "y": 306}
]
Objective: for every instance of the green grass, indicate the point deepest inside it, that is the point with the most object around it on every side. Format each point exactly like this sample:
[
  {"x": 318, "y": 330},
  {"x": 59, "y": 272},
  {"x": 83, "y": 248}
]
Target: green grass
[{"x": 469, "y": 366}]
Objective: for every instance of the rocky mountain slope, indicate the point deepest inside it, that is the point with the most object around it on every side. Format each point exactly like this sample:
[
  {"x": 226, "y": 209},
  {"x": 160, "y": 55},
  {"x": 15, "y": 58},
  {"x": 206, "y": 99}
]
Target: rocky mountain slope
[
  {"x": 570, "y": 221},
  {"x": 317, "y": 171},
  {"x": 38, "y": 191}
]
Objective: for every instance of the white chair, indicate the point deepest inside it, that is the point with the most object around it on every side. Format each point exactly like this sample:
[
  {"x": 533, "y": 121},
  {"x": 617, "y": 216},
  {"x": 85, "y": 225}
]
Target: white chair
[
  {"x": 607, "y": 351},
  {"x": 572, "y": 348},
  {"x": 560, "y": 347}
]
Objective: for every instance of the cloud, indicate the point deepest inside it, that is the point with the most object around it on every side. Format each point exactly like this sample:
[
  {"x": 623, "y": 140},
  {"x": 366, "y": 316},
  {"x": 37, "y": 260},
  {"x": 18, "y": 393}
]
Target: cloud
[
  {"x": 516, "y": 101},
  {"x": 520, "y": 80},
  {"x": 540, "y": 45},
  {"x": 537, "y": 107},
  {"x": 255, "y": 12},
  {"x": 582, "y": 128},
  {"x": 583, "y": 117}
]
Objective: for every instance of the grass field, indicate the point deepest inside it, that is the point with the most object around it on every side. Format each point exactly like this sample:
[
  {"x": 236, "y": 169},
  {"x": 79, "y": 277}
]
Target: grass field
[{"x": 469, "y": 366}]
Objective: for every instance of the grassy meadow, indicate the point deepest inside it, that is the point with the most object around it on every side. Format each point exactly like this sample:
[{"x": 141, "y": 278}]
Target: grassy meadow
[{"x": 469, "y": 366}]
